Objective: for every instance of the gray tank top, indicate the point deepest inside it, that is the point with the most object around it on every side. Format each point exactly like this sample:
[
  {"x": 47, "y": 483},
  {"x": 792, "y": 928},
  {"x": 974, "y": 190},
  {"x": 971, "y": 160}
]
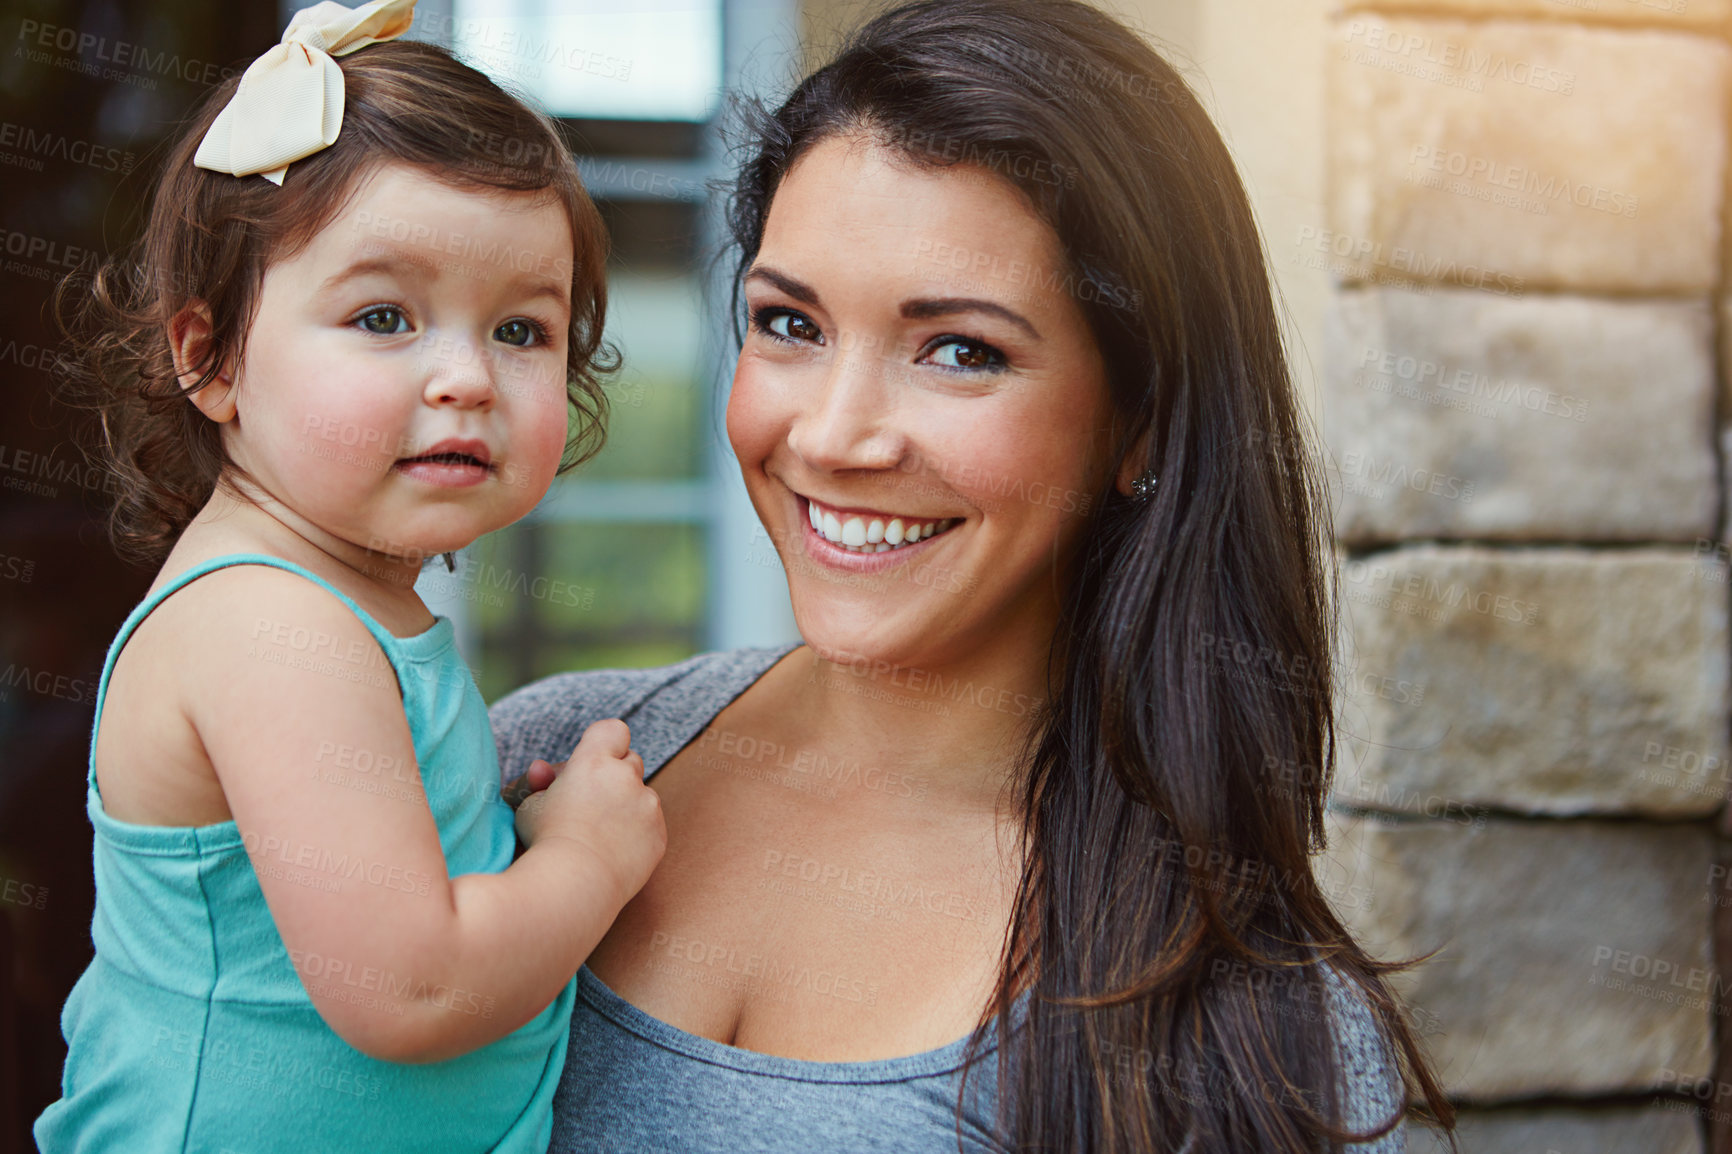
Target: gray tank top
[{"x": 634, "y": 1083}]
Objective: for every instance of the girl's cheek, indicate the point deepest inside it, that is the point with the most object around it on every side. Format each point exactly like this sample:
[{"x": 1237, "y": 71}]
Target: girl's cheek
[{"x": 549, "y": 429}]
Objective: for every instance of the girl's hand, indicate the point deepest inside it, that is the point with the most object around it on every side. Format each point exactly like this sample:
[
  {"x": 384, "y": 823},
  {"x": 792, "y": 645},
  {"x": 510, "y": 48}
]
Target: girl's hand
[
  {"x": 537, "y": 777},
  {"x": 599, "y": 801}
]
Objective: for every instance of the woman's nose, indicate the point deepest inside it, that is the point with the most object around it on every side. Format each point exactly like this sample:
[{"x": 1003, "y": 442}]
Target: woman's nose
[{"x": 849, "y": 421}]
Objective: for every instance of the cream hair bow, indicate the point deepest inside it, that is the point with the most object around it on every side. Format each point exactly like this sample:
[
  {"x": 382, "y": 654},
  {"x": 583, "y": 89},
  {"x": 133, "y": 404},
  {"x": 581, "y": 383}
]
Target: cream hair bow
[{"x": 290, "y": 100}]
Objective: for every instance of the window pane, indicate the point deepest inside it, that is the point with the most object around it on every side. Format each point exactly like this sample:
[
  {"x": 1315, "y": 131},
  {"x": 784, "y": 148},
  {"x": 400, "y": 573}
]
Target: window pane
[
  {"x": 612, "y": 573},
  {"x": 588, "y": 595},
  {"x": 614, "y": 59},
  {"x": 655, "y": 402}
]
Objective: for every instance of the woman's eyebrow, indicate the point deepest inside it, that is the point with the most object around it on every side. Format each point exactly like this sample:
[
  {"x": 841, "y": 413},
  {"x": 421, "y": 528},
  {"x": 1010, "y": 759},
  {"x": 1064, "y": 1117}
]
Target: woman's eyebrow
[
  {"x": 799, "y": 290},
  {"x": 927, "y": 308},
  {"x": 923, "y": 308}
]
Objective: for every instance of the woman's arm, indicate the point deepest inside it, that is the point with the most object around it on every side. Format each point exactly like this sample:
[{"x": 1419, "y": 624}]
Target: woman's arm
[{"x": 1371, "y": 1090}]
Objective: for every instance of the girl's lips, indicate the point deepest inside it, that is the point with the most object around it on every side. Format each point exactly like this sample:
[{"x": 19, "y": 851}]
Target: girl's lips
[
  {"x": 444, "y": 472},
  {"x": 472, "y": 447},
  {"x": 455, "y": 462}
]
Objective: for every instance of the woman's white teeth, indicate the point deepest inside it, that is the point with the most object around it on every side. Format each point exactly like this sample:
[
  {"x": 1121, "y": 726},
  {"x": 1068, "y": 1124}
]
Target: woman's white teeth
[{"x": 872, "y": 534}]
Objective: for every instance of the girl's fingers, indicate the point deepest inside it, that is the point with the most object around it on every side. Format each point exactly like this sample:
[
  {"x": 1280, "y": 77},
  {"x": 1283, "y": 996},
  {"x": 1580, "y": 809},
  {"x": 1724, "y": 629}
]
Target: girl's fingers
[
  {"x": 610, "y": 738},
  {"x": 541, "y": 774},
  {"x": 538, "y": 777},
  {"x": 527, "y": 813}
]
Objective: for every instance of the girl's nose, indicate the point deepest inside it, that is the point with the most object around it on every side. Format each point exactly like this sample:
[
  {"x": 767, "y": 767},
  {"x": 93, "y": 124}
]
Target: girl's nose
[{"x": 461, "y": 374}]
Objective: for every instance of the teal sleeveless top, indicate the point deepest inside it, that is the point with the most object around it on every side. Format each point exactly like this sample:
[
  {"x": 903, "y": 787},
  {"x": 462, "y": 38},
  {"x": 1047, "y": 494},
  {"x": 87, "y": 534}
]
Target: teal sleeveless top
[{"x": 191, "y": 1031}]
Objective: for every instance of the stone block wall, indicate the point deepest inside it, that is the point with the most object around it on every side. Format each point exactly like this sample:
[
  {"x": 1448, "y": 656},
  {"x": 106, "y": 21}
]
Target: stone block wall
[{"x": 1528, "y": 434}]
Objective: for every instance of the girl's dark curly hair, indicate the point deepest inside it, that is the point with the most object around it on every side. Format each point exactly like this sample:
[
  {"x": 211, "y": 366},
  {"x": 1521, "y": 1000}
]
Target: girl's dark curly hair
[{"x": 211, "y": 237}]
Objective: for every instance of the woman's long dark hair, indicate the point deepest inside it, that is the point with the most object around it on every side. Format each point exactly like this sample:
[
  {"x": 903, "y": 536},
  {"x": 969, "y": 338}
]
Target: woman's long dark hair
[{"x": 1180, "y": 953}]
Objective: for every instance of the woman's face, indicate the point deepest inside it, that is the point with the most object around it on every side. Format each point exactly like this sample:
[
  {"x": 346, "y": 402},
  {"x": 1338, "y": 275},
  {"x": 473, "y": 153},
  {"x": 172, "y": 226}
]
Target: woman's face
[{"x": 920, "y": 410}]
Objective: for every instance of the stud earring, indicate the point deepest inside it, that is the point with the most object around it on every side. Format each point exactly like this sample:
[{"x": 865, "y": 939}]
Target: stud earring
[{"x": 1144, "y": 486}]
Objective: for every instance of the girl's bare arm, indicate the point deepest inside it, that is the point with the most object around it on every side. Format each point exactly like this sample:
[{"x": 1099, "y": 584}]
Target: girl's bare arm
[{"x": 403, "y": 962}]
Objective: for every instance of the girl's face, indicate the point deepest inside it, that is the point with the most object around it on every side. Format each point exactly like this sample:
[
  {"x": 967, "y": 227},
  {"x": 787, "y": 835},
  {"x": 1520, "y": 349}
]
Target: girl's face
[
  {"x": 920, "y": 410},
  {"x": 403, "y": 387}
]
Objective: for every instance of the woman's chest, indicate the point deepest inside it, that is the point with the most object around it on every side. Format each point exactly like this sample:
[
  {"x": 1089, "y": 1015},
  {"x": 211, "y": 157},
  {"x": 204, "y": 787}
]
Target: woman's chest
[{"x": 830, "y": 921}]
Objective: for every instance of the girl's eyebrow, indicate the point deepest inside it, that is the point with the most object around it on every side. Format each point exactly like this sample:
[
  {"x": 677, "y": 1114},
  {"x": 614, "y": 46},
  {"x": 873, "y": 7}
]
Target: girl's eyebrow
[
  {"x": 921, "y": 308},
  {"x": 412, "y": 265}
]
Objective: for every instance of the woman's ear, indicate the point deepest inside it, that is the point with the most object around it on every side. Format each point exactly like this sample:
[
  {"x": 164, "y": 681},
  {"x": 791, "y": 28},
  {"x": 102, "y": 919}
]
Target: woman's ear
[
  {"x": 1133, "y": 466},
  {"x": 189, "y": 341}
]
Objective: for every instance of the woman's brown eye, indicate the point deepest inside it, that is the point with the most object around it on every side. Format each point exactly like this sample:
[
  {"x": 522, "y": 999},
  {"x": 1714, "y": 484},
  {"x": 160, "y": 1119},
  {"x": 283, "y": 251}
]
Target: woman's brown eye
[
  {"x": 793, "y": 326},
  {"x": 960, "y": 354}
]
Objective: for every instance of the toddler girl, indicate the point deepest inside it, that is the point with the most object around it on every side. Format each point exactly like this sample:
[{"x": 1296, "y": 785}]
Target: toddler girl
[{"x": 368, "y": 298}]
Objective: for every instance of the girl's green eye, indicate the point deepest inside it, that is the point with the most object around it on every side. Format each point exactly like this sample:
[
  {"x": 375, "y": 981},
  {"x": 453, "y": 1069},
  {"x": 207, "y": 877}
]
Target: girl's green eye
[
  {"x": 384, "y": 321},
  {"x": 517, "y": 332}
]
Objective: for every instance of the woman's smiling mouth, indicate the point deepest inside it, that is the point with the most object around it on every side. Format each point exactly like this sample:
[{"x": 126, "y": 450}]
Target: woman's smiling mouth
[{"x": 873, "y": 532}]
